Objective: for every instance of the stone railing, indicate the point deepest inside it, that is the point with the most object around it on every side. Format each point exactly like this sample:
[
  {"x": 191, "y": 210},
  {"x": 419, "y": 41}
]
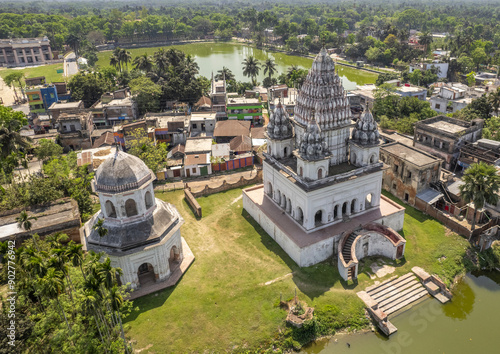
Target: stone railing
[{"x": 123, "y": 187}]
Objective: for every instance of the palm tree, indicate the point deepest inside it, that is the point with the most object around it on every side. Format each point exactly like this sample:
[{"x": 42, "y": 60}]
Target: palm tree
[
  {"x": 425, "y": 39},
  {"x": 101, "y": 230},
  {"x": 24, "y": 222},
  {"x": 161, "y": 61},
  {"x": 481, "y": 186},
  {"x": 115, "y": 62},
  {"x": 143, "y": 62},
  {"x": 251, "y": 68},
  {"x": 52, "y": 284},
  {"x": 11, "y": 141},
  {"x": 116, "y": 302},
  {"x": 225, "y": 73},
  {"x": 74, "y": 42},
  {"x": 75, "y": 255},
  {"x": 125, "y": 57},
  {"x": 494, "y": 99},
  {"x": 269, "y": 67}
]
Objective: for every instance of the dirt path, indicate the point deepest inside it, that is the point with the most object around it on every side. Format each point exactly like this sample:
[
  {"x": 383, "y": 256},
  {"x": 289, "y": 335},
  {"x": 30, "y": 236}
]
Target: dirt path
[{"x": 6, "y": 94}]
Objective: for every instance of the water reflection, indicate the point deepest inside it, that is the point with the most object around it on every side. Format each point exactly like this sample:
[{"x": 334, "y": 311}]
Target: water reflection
[{"x": 462, "y": 303}]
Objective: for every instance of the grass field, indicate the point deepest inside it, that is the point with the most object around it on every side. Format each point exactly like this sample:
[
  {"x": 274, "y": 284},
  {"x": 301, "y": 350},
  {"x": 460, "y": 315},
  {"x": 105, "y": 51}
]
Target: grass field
[
  {"x": 223, "y": 304},
  {"x": 49, "y": 71}
]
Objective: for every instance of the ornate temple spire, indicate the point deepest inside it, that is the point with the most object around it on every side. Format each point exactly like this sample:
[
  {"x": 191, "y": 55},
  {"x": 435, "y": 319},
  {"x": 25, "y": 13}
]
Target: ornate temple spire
[
  {"x": 322, "y": 90},
  {"x": 279, "y": 127},
  {"x": 365, "y": 131},
  {"x": 313, "y": 146}
]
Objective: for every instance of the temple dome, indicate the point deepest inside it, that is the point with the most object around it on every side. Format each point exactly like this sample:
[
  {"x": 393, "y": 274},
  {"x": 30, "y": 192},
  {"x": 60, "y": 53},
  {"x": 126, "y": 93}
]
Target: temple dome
[
  {"x": 366, "y": 131},
  {"x": 122, "y": 170},
  {"x": 313, "y": 146},
  {"x": 279, "y": 126},
  {"x": 323, "y": 92}
]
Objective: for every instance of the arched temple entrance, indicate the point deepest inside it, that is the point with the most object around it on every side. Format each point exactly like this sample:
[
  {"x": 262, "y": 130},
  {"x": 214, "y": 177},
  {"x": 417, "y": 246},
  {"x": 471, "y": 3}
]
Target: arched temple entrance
[{"x": 146, "y": 274}]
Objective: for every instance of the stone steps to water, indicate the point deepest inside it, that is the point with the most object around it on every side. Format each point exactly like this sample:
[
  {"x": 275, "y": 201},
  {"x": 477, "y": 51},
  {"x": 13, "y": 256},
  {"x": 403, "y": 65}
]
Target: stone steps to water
[
  {"x": 414, "y": 285},
  {"x": 398, "y": 287},
  {"x": 406, "y": 302},
  {"x": 373, "y": 291},
  {"x": 400, "y": 297}
]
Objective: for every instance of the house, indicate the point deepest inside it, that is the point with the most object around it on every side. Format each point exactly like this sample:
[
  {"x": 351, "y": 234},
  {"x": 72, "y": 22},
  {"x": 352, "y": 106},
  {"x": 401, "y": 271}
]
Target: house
[
  {"x": 62, "y": 91},
  {"x": 228, "y": 129},
  {"x": 483, "y": 150},
  {"x": 169, "y": 128},
  {"x": 197, "y": 165},
  {"x": 125, "y": 132},
  {"x": 452, "y": 97},
  {"x": 443, "y": 136},
  {"x": 40, "y": 98},
  {"x": 75, "y": 130},
  {"x": 442, "y": 68},
  {"x": 241, "y": 145},
  {"x": 218, "y": 98},
  {"x": 35, "y": 81},
  {"x": 114, "y": 108},
  {"x": 202, "y": 124},
  {"x": 221, "y": 151},
  {"x": 248, "y": 109},
  {"x": 407, "y": 90},
  {"x": 64, "y": 107},
  {"x": 25, "y": 51},
  {"x": 288, "y": 100},
  {"x": 175, "y": 162},
  {"x": 203, "y": 104},
  {"x": 198, "y": 146},
  {"x": 106, "y": 139},
  {"x": 410, "y": 170}
]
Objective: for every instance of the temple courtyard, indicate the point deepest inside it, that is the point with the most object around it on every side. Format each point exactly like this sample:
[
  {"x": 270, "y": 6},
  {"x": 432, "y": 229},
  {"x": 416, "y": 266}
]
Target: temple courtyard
[{"x": 227, "y": 299}]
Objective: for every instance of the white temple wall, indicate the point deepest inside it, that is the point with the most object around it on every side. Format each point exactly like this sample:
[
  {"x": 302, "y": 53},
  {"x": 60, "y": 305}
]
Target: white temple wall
[{"x": 119, "y": 200}]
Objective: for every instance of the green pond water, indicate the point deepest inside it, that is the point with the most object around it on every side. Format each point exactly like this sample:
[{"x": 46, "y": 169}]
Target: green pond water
[
  {"x": 467, "y": 324},
  {"x": 211, "y": 57}
]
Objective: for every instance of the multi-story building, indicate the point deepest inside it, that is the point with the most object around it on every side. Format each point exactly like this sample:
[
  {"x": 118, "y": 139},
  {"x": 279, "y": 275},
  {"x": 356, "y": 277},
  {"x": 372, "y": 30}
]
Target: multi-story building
[
  {"x": 410, "y": 170},
  {"x": 452, "y": 97},
  {"x": 114, "y": 108},
  {"x": 40, "y": 98},
  {"x": 443, "y": 136},
  {"x": 218, "y": 97},
  {"x": 442, "y": 68},
  {"x": 202, "y": 124},
  {"x": 75, "y": 130},
  {"x": 245, "y": 109},
  {"x": 58, "y": 108},
  {"x": 169, "y": 128},
  {"x": 25, "y": 51}
]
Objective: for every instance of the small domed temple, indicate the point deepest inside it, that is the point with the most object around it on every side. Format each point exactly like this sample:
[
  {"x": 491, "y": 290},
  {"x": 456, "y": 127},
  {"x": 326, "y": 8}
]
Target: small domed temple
[
  {"x": 143, "y": 233},
  {"x": 322, "y": 180}
]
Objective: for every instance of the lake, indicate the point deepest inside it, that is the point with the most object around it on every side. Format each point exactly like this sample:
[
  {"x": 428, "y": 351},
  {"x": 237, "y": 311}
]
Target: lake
[
  {"x": 211, "y": 57},
  {"x": 467, "y": 324}
]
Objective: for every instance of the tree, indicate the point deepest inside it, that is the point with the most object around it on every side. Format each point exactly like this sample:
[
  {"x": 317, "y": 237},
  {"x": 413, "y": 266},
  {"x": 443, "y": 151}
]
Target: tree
[
  {"x": 144, "y": 62},
  {"x": 471, "y": 78},
  {"x": 269, "y": 67},
  {"x": 24, "y": 221},
  {"x": 146, "y": 93},
  {"x": 125, "y": 57},
  {"x": 15, "y": 76},
  {"x": 140, "y": 145},
  {"x": 48, "y": 149},
  {"x": 425, "y": 39},
  {"x": 479, "y": 57},
  {"x": 12, "y": 143},
  {"x": 481, "y": 185},
  {"x": 251, "y": 68},
  {"x": 73, "y": 41},
  {"x": 494, "y": 100},
  {"x": 88, "y": 87},
  {"x": 224, "y": 73}
]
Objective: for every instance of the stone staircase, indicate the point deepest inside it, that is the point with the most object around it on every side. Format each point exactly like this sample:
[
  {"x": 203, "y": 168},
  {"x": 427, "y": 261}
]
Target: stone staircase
[
  {"x": 346, "y": 250},
  {"x": 396, "y": 293}
]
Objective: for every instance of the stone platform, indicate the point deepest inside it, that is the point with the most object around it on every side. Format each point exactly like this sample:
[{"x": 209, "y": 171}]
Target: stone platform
[
  {"x": 172, "y": 280},
  {"x": 308, "y": 248}
]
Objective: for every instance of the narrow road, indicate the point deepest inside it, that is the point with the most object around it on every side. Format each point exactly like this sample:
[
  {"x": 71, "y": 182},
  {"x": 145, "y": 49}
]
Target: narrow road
[{"x": 70, "y": 64}]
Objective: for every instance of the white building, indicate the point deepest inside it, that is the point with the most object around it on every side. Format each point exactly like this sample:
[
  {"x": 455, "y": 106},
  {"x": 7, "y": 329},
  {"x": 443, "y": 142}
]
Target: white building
[
  {"x": 442, "y": 68},
  {"x": 144, "y": 237},
  {"x": 320, "y": 187}
]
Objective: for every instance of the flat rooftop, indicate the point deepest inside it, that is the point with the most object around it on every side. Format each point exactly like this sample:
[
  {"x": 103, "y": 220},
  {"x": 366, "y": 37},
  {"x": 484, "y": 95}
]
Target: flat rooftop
[
  {"x": 243, "y": 101},
  {"x": 198, "y": 145},
  {"x": 66, "y": 105},
  {"x": 410, "y": 154},
  {"x": 447, "y": 127},
  {"x": 303, "y": 239},
  {"x": 200, "y": 117}
]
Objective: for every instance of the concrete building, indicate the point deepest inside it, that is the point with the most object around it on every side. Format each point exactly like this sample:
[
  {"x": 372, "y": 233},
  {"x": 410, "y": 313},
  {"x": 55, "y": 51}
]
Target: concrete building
[
  {"x": 169, "y": 128},
  {"x": 114, "y": 108},
  {"x": 202, "y": 124},
  {"x": 441, "y": 67},
  {"x": 58, "y": 108},
  {"x": 321, "y": 191},
  {"x": 248, "y": 109},
  {"x": 218, "y": 97},
  {"x": 40, "y": 98},
  {"x": 25, "y": 51},
  {"x": 443, "y": 137},
  {"x": 410, "y": 170},
  {"x": 197, "y": 165},
  {"x": 144, "y": 236},
  {"x": 483, "y": 150},
  {"x": 75, "y": 130},
  {"x": 196, "y": 146},
  {"x": 452, "y": 97},
  {"x": 227, "y": 129}
]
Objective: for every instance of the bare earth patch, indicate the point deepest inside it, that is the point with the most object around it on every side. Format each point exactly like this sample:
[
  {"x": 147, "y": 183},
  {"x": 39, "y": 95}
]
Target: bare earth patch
[
  {"x": 102, "y": 152},
  {"x": 277, "y": 279},
  {"x": 381, "y": 270}
]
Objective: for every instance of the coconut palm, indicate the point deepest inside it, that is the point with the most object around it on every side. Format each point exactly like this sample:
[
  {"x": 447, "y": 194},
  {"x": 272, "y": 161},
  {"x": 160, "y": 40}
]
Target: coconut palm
[
  {"x": 125, "y": 57},
  {"x": 24, "y": 222},
  {"x": 11, "y": 141},
  {"x": 115, "y": 62},
  {"x": 225, "y": 73},
  {"x": 494, "y": 100},
  {"x": 161, "y": 61},
  {"x": 143, "y": 62},
  {"x": 75, "y": 256},
  {"x": 425, "y": 39},
  {"x": 481, "y": 185},
  {"x": 251, "y": 68},
  {"x": 269, "y": 67}
]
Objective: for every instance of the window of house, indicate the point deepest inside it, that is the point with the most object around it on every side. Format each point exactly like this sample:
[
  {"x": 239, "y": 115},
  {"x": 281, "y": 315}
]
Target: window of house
[
  {"x": 437, "y": 106},
  {"x": 396, "y": 168},
  {"x": 194, "y": 169},
  {"x": 409, "y": 174},
  {"x": 52, "y": 95},
  {"x": 195, "y": 126},
  {"x": 394, "y": 186},
  {"x": 35, "y": 96},
  {"x": 407, "y": 196}
]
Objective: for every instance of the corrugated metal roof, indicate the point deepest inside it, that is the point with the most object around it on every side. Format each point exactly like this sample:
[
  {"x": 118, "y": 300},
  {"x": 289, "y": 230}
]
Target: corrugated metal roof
[
  {"x": 430, "y": 196},
  {"x": 454, "y": 187}
]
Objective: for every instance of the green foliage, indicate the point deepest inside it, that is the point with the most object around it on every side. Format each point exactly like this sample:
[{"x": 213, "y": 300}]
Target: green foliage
[
  {"x": 48, "y": 149},
  {"x": 386, "y": 77},
  {"x": 140, "y": 145},
  {"x": 13, "y": 145},
  {"x": 471, "y": 78},
  {"x": 480, "y": 108},
  {"x": 88, "y": 87},
  {"x": 146, "y": 93}
]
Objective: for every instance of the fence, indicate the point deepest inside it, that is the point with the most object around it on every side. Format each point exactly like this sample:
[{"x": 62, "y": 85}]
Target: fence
[
  {"x": 232, "y": 164},
  {"x": 207, "y": 190}
]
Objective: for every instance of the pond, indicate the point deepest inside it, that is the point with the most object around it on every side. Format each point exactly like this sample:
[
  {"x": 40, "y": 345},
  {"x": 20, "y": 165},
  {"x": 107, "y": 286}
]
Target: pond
[
  {"x": 211, "y": 57},
  {"x": 467, "y": 324}
]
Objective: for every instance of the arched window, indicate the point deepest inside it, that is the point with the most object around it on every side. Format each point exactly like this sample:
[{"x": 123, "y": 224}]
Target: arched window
[
  {"x": 270, "y": 190},
  {"x": 130, "y": 207},
  {"x": 320, "y": 173},
  {"x": 110, "y": 209},
  {"x": 269, "y": 149},
  {"x": 354, "y": 205},
  {"x": 368, "y": 201},
  {"x": 372, "y": 159},
  {"x": 148, "y": 199},
  {"x": 344, "y": 208},
  {"x": 285, "y": 151},
  {"x": 336, "y": 212},
  {"x": 301, "y": 171},
  {"x": 300, "y": 215},
  {"x": 318, "y": 217},
  {"x": 353, "y": 158}
]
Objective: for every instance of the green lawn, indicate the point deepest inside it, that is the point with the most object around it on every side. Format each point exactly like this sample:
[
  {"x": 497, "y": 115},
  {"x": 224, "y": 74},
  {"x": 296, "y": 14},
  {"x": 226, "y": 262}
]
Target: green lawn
[
  {"x": 49, "y": 71},
  {"x": 222, "y": 304}
]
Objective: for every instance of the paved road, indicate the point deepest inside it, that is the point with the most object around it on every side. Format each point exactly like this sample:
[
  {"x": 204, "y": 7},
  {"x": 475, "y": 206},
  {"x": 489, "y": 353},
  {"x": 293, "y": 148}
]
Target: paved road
[{"x": 70, "y": 65}]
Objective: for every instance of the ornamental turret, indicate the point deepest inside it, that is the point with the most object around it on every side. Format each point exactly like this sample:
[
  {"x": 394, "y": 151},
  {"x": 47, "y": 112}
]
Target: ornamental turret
[
  {"x": 364, "y": 144},
  {"x": 279, "y": 133}
]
